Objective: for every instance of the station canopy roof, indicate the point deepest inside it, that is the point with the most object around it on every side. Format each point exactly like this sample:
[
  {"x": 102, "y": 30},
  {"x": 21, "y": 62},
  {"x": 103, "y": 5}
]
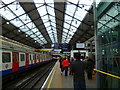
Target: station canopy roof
[{"x": 44, "y": 22}]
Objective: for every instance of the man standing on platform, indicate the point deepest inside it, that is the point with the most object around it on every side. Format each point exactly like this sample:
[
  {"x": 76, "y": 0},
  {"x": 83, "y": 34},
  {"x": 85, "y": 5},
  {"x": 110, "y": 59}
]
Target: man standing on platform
[{"x": 78, "y": 68}]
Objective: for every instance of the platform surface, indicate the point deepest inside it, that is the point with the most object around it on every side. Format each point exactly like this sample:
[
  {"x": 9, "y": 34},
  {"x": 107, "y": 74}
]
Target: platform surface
[{"x": 57, "y": 80}]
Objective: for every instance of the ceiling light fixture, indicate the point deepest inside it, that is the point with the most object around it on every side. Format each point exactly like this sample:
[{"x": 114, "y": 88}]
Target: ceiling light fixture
[
  {"x": 8, "y": 23},
  {"x": 19, "y": 31}
]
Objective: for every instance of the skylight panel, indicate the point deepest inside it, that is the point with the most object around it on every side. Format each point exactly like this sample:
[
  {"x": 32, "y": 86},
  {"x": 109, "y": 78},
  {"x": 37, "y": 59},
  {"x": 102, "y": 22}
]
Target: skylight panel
[
  {"x": 65, "y": 30},
  {"x": 38, "y": 33},
  {"x": 35, "y": 38},
  {"x": 16, "y": 22},
  {"x": 15, "y": 13},
  {"x": 7, "y": 14},
  {"x": 49, "y": 28},
  {"x": 45, "y": 13},
  {"x": 53, "y": 24},
  {"x": 33, "y": 35},
  {"x": 74, "y": 1},
  {"x": 71, "y": 8},
  {"x": 66, "y": 25},
  {"x": 76, "y": 14},
  {"x": 38, "y": 2},
  {"x": 41, "y": 10},
  {"x": 29, "y": 32},
  {"x": 47, "y": 24},
  {"x": 8, "y": 1}
]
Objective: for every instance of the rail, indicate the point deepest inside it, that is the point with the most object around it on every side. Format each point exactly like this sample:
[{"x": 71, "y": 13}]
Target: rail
[{"x": 107, "y": 73}]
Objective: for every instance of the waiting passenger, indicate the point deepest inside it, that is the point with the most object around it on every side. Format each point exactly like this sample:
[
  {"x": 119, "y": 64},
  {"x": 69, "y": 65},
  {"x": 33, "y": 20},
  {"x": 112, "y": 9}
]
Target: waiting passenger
[
  {"x": 70, "y": 72},
  {"x": 78, "y": 68},
  {"x": 60, "y": 60},
  {"x": 65, "y": 64},
  {"x": 89, "y": 68}
]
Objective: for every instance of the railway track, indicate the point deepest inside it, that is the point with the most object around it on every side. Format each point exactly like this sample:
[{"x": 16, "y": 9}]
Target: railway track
[{"x": 31, "y": 81}]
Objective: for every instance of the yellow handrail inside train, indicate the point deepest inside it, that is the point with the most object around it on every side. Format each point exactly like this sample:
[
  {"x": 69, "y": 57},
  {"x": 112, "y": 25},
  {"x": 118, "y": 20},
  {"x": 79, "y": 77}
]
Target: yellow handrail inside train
[{"x": 107, "y": 74}]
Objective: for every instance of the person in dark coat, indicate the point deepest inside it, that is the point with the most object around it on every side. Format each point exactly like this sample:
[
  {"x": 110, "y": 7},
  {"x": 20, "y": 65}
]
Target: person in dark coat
[
  {"x": 78, "y": 68},
  {"x": 89, "y": 68},
  {"x": 60, "y": 61},
  {"x": 70, "y": 72}
]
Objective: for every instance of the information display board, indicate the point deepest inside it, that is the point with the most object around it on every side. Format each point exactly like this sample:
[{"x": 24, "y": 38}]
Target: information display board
[{"x": 80, "y": 45}]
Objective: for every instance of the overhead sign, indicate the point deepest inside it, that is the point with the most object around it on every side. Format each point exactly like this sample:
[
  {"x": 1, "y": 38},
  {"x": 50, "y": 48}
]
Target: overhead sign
[
  {"x": 80, "y": 45},
  {"x": 64, "y": 46},
  {"x": 57, "y": 50},
  {"x": 56, "y": 46}
]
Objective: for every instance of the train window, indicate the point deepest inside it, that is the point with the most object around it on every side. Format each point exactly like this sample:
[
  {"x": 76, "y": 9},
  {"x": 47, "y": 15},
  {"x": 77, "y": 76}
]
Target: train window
[
  {"x": 15, "y": 57},
  {"x": 37, "y": 57},
  {"x": 6, "y": 57},
  {"x": 22, "y": 57},
  {"x": 34, "y": 57},
  {"x": 30, "y": 57}
]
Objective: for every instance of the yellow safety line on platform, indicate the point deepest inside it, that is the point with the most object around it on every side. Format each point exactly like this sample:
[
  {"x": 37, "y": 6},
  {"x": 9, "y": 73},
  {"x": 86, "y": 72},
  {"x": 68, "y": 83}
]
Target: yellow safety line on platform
[
  {"x": 107, "y": 74},
  {"x": 51, "y": 78}
]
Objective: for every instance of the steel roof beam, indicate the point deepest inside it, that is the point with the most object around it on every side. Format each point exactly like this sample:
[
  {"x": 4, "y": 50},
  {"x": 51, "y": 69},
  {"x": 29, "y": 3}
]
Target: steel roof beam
[
  {"x": 61, "y": 6},
  {"x": 32, "y": 18}
]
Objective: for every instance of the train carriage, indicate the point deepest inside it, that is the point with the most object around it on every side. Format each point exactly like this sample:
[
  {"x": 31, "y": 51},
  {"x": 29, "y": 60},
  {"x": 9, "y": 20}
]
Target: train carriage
[
  {"x": 6, "y": 62},
  {"x": 16, "y": 57}
]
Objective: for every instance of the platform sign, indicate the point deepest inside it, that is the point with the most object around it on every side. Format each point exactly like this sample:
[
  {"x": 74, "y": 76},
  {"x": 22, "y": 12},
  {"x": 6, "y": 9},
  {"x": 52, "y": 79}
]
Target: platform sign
[
  {"x": 80, "y": 45},
  {"x": 56, "y": 46},
  {"x": 64, "y": 46}
]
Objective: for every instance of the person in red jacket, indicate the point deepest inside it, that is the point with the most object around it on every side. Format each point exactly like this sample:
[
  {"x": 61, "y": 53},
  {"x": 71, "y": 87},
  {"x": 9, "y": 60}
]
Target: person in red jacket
[{"x": 65, "y": 64}]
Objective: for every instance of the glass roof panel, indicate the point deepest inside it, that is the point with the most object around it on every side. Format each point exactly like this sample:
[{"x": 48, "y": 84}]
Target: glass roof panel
[
  {"x": 73, "y": 17},
  {"x": 41, "y": 9},
  {"x": 48, "y": 28},
  {"x": 45, "y": 12},
  {"x": 65, "y": 30},
  {"x": 66, "y": 25},
  {"x": 6, "y": 13},
  {"x": 8, "y": 1},
  {"x": 12, "y": 12},
  {"x": 47, "y": 24},
  {"x": 29, "y": 32},
  {"x": 38, "y": 2},
  {"x": 16, "y": 22},
  {"x": 75, "y": 14}
]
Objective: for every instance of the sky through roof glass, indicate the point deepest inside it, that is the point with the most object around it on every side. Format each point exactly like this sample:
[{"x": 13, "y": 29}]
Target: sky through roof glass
[
  {"x": 12, "y": 13},
  {"x": 75, "y": 11},
  {"x": 73, "y": 16}
]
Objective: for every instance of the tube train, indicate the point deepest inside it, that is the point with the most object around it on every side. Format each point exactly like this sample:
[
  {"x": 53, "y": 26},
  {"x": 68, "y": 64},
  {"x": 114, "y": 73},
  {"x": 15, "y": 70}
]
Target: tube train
[{"x": 15, "y": 56}]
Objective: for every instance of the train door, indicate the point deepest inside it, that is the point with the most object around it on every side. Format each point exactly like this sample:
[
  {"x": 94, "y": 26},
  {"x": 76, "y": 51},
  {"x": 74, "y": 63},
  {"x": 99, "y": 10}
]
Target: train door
[
  {"x": 39, "y": 58},
  {"x": 34, "y": 59},
  {"x": 27, "y": 60},
  {"x": 43, "y": 57},
  {"x": 22, "y": 60},
  {"x": 15, "y": 62},
  {"x": 31, "y": 59}
]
